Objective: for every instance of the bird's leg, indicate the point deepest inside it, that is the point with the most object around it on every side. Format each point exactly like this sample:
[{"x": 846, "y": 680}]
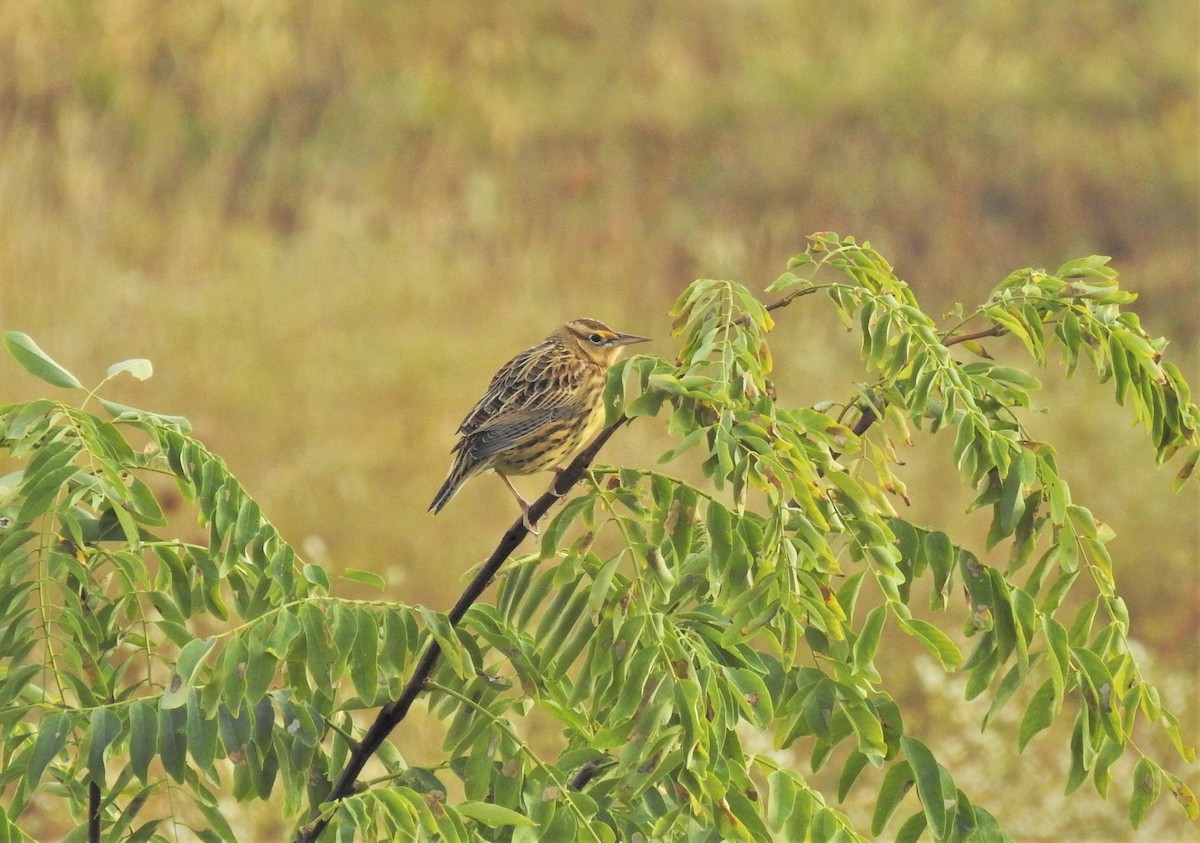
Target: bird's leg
[{"x": 524, "y": 504}]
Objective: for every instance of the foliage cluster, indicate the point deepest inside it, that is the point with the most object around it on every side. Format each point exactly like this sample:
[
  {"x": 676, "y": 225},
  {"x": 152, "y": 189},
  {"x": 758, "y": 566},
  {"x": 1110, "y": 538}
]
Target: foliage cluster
[{"x": 662, "y": 627}]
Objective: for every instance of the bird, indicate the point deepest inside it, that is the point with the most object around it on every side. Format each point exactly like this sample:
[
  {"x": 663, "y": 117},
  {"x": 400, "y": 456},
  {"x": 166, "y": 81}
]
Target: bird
[{"x": 539, "y": 410}]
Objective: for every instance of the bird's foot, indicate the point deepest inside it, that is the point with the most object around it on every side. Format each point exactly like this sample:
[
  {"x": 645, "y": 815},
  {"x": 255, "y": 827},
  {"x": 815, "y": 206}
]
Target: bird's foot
[
  {"x": 529, "y": 525},
  {"x": 521, "y": 502}
]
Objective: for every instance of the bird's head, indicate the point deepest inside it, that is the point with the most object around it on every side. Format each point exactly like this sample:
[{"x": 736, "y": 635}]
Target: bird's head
[{"x": 597, "y": 341}]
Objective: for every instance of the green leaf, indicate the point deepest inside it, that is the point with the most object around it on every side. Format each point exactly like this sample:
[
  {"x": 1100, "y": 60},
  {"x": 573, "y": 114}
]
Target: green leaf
[
  {"x": 867, "y": 643},
  {"x": 1083, "y": 752},
  {"x": 143, "y": 737},
  {"x": 492, "y": 815},
  {"x": 1058, "y": 647},
  {"x": 1016, "y": 377},
  {"x": 929, "y": 784},
  {"x": 601, "y": 588},
  {"x": 180, "y": 683},
  {"x": 318, "y": 644},
  {"x": 145, "y": 504},
  {"x": 1184, "y": 796},
  {"x": 37, "y": 362},
  {"x": 781, "y": 798},
  {"x": 745, "y": 817},
  {"x": 172, "y": 741},
  {"x": 556, "y": 634},
  {"x": 229, "y": 678},
  {"x": 121, "y": 411},
  {"x": 935, "y": 641},
  {"x": 854, "y": 765},
  {"x": 939, "y": 553},
  {"x": 316, "y": 575},
  {"x": 1090, "y": 267},
  {"x": 790, "y": 279},
  {"x": 552, "y": 534},
  {"x": 1039, "y": 714},
  {"x": 912, "y": 829},
  {"x": 438, "y": 626},
  {"x": 128, "y": 525},
  {"x": 399, "y": 637},
  {"x": 51, "y": 738},
  {"x": 1109, "y": 752},
  {"x": 103, "y": 729},
  {"x": 343, "y": 627},
  {"x": 217, "y": 824},
  {"x": 800, "y": 820},
  {"x": 139, "y": 367},
  {"x": 1010, "y": 507},
  {"x": 1185, "y": 471},
  {"x": 867, "y": 729},
  {"x": 646, "y": 404},
  {"x": 720, "y": 532},
  {"x": 247, "y": 525},
  {"x": 1147, "y": 782},
  {"x": 896, "y": 784},
  {"x": 45, "y": 489},
  {"x": 1100, "y": 683},
  {"x": 9, "y": 833},
  {"x": 1013, "y": 679},
  {"x": 753, "y": 696},
  {"x": 201, "y": 735},
  {"x": 364, "y": 661}
]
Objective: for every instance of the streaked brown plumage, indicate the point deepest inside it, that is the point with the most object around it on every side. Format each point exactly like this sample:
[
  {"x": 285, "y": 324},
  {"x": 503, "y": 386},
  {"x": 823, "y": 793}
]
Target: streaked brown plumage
[{"x": 540, "y": 409}]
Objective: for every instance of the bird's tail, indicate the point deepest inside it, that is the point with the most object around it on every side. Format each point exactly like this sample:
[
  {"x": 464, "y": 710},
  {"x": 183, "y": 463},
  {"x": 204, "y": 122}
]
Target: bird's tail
[{"x": 459, "y": 472}]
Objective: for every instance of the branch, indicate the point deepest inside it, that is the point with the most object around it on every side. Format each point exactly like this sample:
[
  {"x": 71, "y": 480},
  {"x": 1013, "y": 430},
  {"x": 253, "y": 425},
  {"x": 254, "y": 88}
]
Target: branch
[
  {"x": 396, "y": 710},
  {"x": 744, "y": 319},
  {"x": 93, "y": 812},
  {"x": 794, "y": 294},
  {"x": 393, "y": 712},
  {"x": 588, "y": 772},
  {"x": 994, "y": 331},
  {"x": 869, "y": 416},
  {"x": 865, "y": 421}
]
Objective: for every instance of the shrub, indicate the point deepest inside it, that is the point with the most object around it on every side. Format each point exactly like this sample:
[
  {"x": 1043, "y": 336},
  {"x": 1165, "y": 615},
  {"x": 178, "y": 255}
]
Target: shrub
[{"x": 663, "y": 627}]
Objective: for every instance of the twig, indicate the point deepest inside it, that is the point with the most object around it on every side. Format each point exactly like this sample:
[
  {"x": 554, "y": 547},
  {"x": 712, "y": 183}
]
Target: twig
[
  {"x": 587, "y": 772},
  {"x": 396, "y": 710},
  {"x": 994, "y": 331},
  {"x": 869, "y": 416},
  {"x": 794, "y": 294},
  {"x": 744, "y": 319},
  {"x": 93, "y": 812}
]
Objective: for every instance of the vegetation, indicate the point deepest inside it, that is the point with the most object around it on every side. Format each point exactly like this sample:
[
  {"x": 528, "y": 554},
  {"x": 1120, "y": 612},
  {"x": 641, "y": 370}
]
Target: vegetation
[
  {"x": 326, "y": 224},
  {"x": 655, "y": 667}
]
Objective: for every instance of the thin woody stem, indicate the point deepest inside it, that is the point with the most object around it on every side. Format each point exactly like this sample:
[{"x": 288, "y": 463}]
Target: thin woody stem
[
  {"x": 94, "y": 797},
  {"x": 994, "y": 331},
  {"x": 396, "y": 710},
  {"x": 869, "y": 416}
]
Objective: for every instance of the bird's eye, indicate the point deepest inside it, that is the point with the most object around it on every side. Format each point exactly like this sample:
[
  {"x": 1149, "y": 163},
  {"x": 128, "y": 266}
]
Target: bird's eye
[{"x": 596, "y": 339}]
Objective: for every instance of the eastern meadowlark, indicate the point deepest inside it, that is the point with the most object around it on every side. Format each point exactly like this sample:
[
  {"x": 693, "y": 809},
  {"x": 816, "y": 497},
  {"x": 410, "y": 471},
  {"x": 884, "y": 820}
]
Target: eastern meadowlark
[{"x": 540, "y": 409}]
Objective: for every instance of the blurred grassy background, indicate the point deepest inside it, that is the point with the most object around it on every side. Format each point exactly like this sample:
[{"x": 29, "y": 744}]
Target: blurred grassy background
[{"x": 328, "y": 223}]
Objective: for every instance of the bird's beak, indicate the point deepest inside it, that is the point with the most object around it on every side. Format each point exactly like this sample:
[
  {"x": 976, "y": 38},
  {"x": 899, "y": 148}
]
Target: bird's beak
[{"x": 628, "y": 339}]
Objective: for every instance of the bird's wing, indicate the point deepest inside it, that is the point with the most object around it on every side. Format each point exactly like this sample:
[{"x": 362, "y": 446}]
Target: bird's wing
[
  {"x": 512, "y": 429},
  {"x": 538, "y": 380}
]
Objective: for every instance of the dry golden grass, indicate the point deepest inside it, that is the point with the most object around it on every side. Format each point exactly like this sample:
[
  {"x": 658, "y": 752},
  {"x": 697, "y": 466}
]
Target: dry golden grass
[{"x": 328, "y": 223}]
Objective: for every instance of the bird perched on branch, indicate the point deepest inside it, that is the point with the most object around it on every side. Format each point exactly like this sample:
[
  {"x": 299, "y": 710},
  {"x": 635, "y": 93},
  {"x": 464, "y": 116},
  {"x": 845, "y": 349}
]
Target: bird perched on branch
[{"x": 540, "y": 409}]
